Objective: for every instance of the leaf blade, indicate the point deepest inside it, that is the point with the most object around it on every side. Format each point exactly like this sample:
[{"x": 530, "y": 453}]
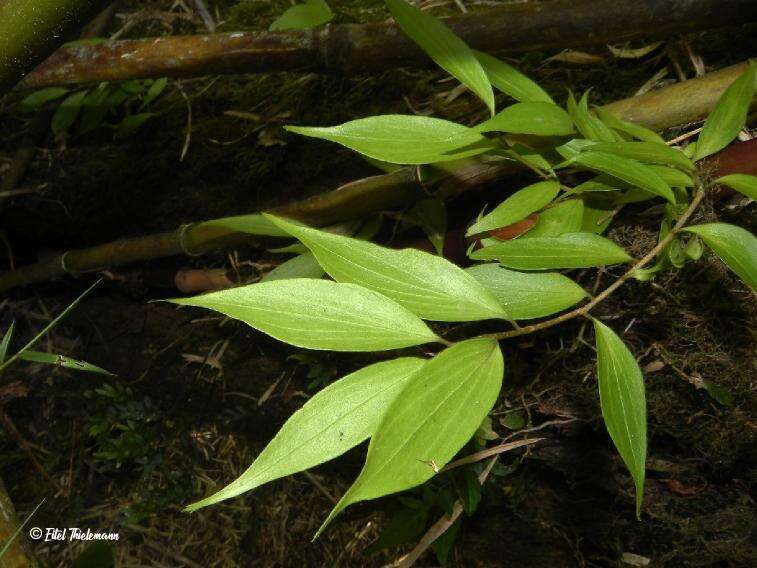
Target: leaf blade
[
  {"x": 735, "y": 246},
  {"x": 511, "y": 81},
  {"x": 62, "y": 361},
  {"x": 304, "y": 16},
  {"x": 743, "y": 183},
  {"x": 538, "y": 118}
]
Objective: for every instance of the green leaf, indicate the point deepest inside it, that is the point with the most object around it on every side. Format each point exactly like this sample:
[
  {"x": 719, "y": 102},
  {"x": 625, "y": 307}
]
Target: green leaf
[
  {"x": 61, "y": 361},
  {"x": 672, "y": 176},
  {"x": 444, "y": 47},
  {"x": 403, "y": 139},
  {"x": 429, "y": 421},
  {"x": 742, "y": 183},
  {"x": 635, "y": 130},
  {"x": 131, "y": 123},
  {"x": 43, "y": 96},
  {"x": 598, "y": 214},
  {"x": 624, "y": 407},
  {"x": 301, "y": 266},
  {"x": 528, "y": 296},
  {"x": 5, "y": 343},
  {"x": 154, "y": 92},
  {"x": 341, "y": 416},
  {"x": 427, "y": 285},
  {"x": 516, "y": 207},
  {"x": 588, "y": 125},
  {"x": 647, "y": 152},
  {"x": 511, "y": 81},
  {"x": 735, "y": 246},
  {"x": 565, "y": 217},
  {"x": 431, "y": 216},
  {"x": 600, "y": 183},
  {"x": 319, "y": 314},
  {"x": 539, "y": 118},
  {"x": 627, "y": 170},
  {"x": 728, "y": 116},
  {"x": 571, "y": 250},
  {"x": 67, "y": 112},
  {"x": 303, "y": 16},
  {"x": 255, "y": 224}
]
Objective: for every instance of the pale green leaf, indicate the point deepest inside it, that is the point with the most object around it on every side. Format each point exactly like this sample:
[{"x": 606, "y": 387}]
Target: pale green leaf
[
  {"x": 403, "y": 139},
  {"x": 565, "y": 217},
  {"x": 431, "y": 216},
  {"x": 538, "y": 118},
  {"x": 571, "y": 250},
  {"x": 516, "y": 207},
  {"x": 254, "y": 224},
  {"x": 735, "y": 246},
  {"x": 341, "y": 416},
  {"x": 627, "y": 170},
  {"x": 728, "y": 116},
  {"x": 528, "y": 296},
  {"x": 5, "y": 343},
  {"x": 672, "y": 176},
  {"x": 61, "y": 361},
  {"x": 647, "y": 152},
  {"x": 429, "y": 421},
  {"x": 511, "y": 81},
  {"x": 587, "y": 124},
  {"x": 310, "y": 14},
  {"x": 444, "y": 47},
  {"x": 301, "y": 266},
  {"x": 427, "y": 285},
  {"x": 319, "y": 314},
  {"x": 635, "y": 130},
  {"x": 742, "y": 183},
  {"x": 624, "y": 407},
  {"x": 43, "y": 96}
]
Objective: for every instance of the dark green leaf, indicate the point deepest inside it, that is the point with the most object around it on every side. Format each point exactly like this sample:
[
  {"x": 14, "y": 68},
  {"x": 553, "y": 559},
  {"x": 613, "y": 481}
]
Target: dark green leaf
[
  {"x": 429, "y": 421},
  {"x": 624, "y": 407},
  {"x": 647, "y": 152},
  {"x": 728, "y": 116},
  {"x": 719, "y": 393},
  {"x": 6, "y": 342},
  {"x": 742, "y": 183},
  {"x": 442, "y": 546},
  {"x": 311, "y": 14},
  {"x": 154, "y": 92},
  {"x": 319, "y": 314},
  {"x": 427, "y": 285},
  {"x": 431, "y": 216},
  {"x": 598, "y": 214},
  {"x": 403, "y": 139},
  {"x": 341, "y": 416},
  {"x": 96, "y": 555},
  {"x": 511, "y": 81},
  {"x": 539, "y": 118},
  {"x": 61, "y": 361},
  {"x": 67, "y": 112},
  {"x": 131, "y": 123},
  {"x": 528, "y": 296},
  {"x": 43, "y": 96},
  {"x": 444, "y": 47},
  {"x": 735, "y": 246},
  {"x": 516, "y": 207},
  {"x": 571, "y": 250}
]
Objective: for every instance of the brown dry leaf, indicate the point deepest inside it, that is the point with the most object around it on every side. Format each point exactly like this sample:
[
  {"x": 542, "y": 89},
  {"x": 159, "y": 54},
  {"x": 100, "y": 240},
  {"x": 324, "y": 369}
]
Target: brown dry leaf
[
  {"x": 626, "y": 53},
  {"x": 516, "y": 229},
  {"x": 576, "y": 57}
]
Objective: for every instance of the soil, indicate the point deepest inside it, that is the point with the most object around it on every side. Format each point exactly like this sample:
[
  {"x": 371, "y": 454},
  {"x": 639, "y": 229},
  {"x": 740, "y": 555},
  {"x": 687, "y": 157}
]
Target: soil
[{"x": 194, "y": 398}]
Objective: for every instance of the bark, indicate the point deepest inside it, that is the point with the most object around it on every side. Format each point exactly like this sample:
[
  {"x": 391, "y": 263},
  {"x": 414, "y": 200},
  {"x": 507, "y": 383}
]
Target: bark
[
  {"x": 387, "y": 191},
  {"x": 30, "y": 30},
  {"x": 368, "y": 48}
]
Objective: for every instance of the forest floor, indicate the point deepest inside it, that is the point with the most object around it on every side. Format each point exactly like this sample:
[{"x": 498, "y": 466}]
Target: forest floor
[{"x": 195, "y": 397}]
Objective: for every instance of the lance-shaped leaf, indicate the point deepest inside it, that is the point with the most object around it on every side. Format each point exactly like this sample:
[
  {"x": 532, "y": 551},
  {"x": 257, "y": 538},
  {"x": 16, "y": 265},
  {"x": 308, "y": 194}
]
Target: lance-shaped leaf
[
  {"x": 5, "y": 343},
  {"x": 301, "y": 266},
  {"x": 624, "y": 407},
  {"x": 319, "y": 314},
  {"x": 728, "y": 116},
  {"x": 647, "y": 152},
  {"x": 598, "y": 214},
  {"x": 429, "y": 421},
  {"x": 61, "y": 361},
  {"x": 565, "y": 217},
  {"x": 635, "y": 130},
  {"x": 742, "y": 183},
  {"x": 444, "y": 47},
  {"x": 511, "y": 81},
  {"x": 528, "y": 296},
  {"x": 341, "y": 416},
  {"x": 427, "y": 285},
  {"x": 304, "y": 16},
  {"x": 539, "y": 118},
  {"x": 627, "y": 170},
  {"x": 403, "y": 139},
  {"x": 518, "y": 206},
  {"x": 735, "y": 246},
  {"x": 571, "y": 250},
  {"x": 255, "y": 224},
  {"x": 588, "y": 125},
  {"x": 431, "y": 216},
  {"x": 672, "y": 176}
]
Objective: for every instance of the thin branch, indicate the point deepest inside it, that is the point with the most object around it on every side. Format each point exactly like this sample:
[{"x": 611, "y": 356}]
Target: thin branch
[
  {"x": 586, "y": 308},
  {"x": 489, "y": 452}
]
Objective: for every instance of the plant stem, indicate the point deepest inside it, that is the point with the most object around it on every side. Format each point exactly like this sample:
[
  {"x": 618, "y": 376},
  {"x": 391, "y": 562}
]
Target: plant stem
[{"x": 586, "y": 308}]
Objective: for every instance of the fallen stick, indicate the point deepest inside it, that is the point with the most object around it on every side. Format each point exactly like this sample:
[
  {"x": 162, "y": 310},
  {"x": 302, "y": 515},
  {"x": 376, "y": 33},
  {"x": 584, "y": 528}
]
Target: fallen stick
[
  {"x": 359, "y": 198},
  {"x": 367, "y": 48}
]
